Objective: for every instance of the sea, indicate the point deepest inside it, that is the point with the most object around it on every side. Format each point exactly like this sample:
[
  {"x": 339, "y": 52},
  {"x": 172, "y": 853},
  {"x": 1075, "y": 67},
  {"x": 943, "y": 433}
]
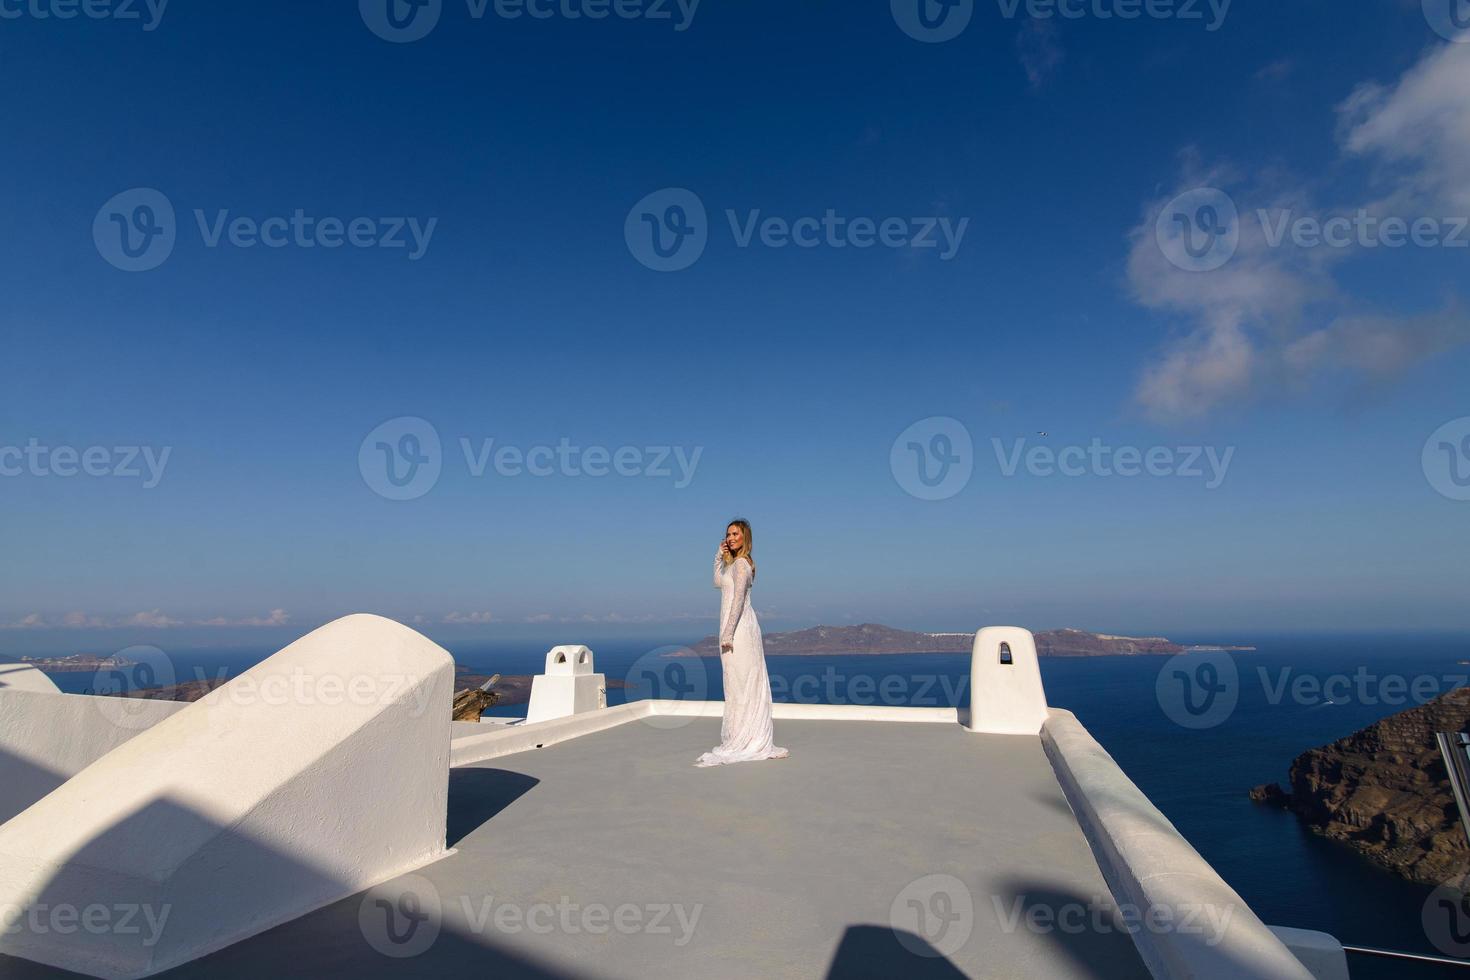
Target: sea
[{"x": 1291, "y": 693}]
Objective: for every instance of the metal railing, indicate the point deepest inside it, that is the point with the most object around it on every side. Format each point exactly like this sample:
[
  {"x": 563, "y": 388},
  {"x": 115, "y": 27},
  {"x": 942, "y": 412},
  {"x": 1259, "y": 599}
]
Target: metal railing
[{"x": 1394, "y": 954}]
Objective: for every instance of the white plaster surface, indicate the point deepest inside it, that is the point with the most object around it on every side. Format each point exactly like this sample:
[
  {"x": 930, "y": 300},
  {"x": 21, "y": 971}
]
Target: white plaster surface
[
  {"x": 1319, "y": 952},
  {"x": 1005, "y": 699},
  {"x": 16, "y": 676},
  {"x": 48, "y": 737},
  {"x": 1150, "y": 866},
  {"x": 316, "y": 773},
  {"x": 567, "y": 686}
]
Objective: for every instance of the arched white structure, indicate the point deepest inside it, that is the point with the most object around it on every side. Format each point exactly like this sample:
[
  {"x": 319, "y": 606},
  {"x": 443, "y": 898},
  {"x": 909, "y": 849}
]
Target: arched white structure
[
  {"x": 315, "y": 774},
  {"x": 1006, "y": 694}
]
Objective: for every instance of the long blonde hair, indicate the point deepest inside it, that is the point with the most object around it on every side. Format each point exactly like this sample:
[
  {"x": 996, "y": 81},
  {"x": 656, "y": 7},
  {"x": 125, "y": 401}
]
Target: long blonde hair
[{"x": 747, "y": 545}]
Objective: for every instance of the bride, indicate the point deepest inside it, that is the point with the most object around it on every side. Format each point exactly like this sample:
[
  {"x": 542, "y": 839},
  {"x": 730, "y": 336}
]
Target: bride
[{"x": 745, "y": 735}]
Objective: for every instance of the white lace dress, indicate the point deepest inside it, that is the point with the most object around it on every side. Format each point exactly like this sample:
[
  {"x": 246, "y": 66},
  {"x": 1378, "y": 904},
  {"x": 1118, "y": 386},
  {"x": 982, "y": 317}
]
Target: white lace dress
[{"x": 746, "y": 734}]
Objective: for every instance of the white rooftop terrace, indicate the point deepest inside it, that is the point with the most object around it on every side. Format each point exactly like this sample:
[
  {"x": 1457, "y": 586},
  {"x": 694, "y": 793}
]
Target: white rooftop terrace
[{"x": 997, "y": 841}]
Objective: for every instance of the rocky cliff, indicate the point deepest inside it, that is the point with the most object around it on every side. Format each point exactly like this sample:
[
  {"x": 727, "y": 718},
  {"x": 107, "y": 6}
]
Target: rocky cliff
[{"x": 1384, "y": 791}]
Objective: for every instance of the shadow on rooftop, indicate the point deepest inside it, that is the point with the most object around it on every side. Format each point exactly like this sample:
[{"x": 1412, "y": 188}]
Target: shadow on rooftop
[
  {"x": 478, "y": 794},
  {"x": 1083, "y": 928},
  {"x": 876, "y": 951}
]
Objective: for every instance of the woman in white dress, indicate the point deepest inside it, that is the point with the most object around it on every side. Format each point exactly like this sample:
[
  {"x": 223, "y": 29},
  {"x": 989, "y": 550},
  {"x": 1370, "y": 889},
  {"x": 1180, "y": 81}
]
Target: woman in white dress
[{"x": 746, "y": 734}]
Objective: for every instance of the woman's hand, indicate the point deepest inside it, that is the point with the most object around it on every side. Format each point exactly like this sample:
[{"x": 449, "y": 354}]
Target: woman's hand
[{"x": 724, "y": 551}]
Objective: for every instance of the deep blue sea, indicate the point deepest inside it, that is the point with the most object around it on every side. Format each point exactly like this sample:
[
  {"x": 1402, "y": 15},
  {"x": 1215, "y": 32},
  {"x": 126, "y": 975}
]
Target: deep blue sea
[{"x": 1292, "y": 693}]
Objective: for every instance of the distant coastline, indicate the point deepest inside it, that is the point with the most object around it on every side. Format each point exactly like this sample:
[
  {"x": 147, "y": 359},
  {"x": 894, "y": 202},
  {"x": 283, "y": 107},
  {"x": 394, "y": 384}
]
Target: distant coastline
[
  {"x": 77, "y": 663},
  {"x": 875, "y": 639}
]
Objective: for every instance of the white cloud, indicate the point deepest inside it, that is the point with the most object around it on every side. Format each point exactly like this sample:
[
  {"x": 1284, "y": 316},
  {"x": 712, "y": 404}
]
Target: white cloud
[
  {"x": 1039, "y": 50},
  {"x": 464, "y": 618},
  {"x": 1417, "y": 130},
  {"x": 1275, "y": 314},
  {"x": 276, "y": 617},
  {"x": 1276, "y": 71},
  {"x": 154, "y": 619}
]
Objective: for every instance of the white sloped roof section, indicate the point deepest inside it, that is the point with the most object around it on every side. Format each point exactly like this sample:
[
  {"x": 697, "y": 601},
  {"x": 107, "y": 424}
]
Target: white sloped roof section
[{"x": 317, "y": 773}]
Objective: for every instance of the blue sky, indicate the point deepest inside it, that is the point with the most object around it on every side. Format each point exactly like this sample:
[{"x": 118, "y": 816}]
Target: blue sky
[{"x": 520, "y": 147}]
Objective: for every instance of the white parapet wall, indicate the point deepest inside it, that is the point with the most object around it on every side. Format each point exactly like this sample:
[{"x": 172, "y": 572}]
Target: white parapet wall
[
  {"x": 47, "y": 737},
  {"x": 567, "y": 687},
  {"x": 315, "y": 774},
  {"x": 1195, "y": 925},
  {"x": 16, "y": 676},
  {"x": 1006, "y": 693}
]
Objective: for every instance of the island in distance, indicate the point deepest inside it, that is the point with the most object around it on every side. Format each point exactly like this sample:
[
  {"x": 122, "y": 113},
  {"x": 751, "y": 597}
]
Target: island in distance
[{"x": 874, "y": 638}]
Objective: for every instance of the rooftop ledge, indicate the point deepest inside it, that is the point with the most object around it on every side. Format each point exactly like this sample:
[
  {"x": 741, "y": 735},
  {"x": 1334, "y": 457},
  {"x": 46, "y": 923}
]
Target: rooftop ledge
[{"x": 911, "y": 841}]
